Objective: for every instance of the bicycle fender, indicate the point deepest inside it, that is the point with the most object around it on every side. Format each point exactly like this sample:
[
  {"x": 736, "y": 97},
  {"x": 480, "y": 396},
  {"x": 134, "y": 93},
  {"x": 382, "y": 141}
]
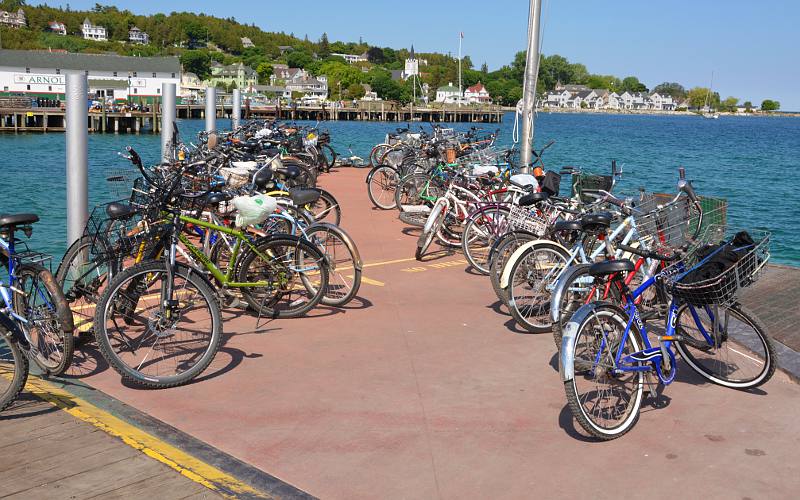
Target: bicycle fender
[
  {"x": 359, "y": 264},
  {"x": 437, "y": 209},
  {"x": 558, "y": 291},
  {"x": 566, "y": 358},
  {"x": 506, "y": 276}
]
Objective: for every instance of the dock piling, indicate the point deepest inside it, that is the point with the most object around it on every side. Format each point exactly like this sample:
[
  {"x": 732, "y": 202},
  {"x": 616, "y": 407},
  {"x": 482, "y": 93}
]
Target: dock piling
[
  {"x": 168, "y": 111},
  {"x": 77, "y": 116}
]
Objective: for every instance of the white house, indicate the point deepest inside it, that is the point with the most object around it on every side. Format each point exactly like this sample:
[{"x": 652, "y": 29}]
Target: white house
[
  {"x": 43, "y": 74},
  {"x": 661, "y": 102},
  {"x": 247, "y": 43},
  {"x": 92, "y": 32},
  {"x": 135, "y": 35},
  {"x": 57, "y": 27},
  {"x": 12, "y": 20},
  {"x": 351, "y": 58},
  {"x": 448, "y": 94},
  {"x": 191, "y": 86},
  {"x": 308, "y": 85},
  {"x": 558, "y": 99},
  {"x": 613, "y": 101},
  {"x": 477, "y": 94}
]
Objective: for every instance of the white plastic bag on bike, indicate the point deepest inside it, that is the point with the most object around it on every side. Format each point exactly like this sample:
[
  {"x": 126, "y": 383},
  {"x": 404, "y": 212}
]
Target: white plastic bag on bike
[{"x": 253, "y": 209}]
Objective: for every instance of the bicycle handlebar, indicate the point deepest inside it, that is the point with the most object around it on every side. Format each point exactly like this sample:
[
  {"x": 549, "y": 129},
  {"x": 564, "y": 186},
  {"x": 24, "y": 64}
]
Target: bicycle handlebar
[{"x": 647, "y": 254}]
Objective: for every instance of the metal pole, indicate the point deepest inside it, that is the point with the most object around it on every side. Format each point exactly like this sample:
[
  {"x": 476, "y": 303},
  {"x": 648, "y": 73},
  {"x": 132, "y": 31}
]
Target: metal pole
[
  {"x": 529, "y": 87},
  {"x": 168, "y": 111},
  {"x": 460, "y": 94},
  {"x": 236, "y": 117},
  {"x": 211, "y": 109},
  {"x": 77, "y": 155}
]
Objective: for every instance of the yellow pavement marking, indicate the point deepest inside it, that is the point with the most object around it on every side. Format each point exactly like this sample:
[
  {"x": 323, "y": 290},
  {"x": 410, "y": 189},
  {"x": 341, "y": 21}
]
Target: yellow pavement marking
[
  {"x": 369, "y": 281},
  {"x": 414, "y": 269},
  {"x": 187, "y": 465},
  {"x": 385, "y": 263},
  {"x": 436, "y": 265}
]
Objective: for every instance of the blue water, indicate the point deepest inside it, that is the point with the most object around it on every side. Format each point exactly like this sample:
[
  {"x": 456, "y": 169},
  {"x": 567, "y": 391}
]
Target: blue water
[{"x": 751, "y": 161}]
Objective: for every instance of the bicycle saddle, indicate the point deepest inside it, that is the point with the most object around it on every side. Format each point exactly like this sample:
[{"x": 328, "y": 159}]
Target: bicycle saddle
[
  {"x": 118, "y": 210},
  {"x": 610, "y": 267},
  {"x": 216, "y": 198},
  {"x": 303, "y": 196},
  {"x": 288, "y": 171},
  {"x": 532, "y": 198},
  {"x": 261, "y": 177},
  {"x": 10, "y": 220},
  {"x": 596, "y": 222},
  {"x": 568, "y": 225}
]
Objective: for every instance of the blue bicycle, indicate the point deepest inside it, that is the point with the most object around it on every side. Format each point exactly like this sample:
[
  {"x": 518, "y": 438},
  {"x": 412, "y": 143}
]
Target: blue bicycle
[
  {"x": 13, "y": 362},
  {"x": 32, "y": 299},
  {"x": 606, "y": 352}
]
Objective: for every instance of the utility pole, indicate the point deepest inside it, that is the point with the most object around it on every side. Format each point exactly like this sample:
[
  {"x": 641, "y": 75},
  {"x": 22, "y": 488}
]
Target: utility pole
[{"x": 529, "y": 87}]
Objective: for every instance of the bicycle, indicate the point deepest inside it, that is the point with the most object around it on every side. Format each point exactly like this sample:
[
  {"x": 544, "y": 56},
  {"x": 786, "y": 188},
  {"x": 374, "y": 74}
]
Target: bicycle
[
  {"x": 33, "y": 300},
  {"x": 13, "y": 361}
]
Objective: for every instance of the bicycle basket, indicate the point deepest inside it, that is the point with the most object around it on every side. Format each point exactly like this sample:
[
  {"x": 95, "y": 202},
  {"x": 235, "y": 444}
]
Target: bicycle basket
[
  {"x": 587, "y": 186},
  {"x": 118, "y": 237},
  {"x": 535, "y": 221},
  {"x": 703, "y": 278},
  {"x": 120, "y": 181}
]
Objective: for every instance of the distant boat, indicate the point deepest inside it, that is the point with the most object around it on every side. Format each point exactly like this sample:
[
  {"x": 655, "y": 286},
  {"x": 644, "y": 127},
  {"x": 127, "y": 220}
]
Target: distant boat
[{"x": 708, "y": 112}]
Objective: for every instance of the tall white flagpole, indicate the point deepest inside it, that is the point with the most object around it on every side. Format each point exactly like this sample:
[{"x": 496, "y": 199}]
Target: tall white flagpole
[{"x": 460, "y": 94}]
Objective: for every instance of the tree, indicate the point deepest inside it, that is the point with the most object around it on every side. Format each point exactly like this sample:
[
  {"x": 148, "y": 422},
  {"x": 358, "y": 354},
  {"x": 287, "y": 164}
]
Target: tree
[
  {"x": 632, "y": 84},
  {"x": 698, "y": 96},
  {"x": 375, "y": 55},
  {"x": 299, "y": 59},
  {"x": 748, "y": 107},
  {"x": 324, "y": 48},
  {"x": 264, "y": 71},
  {"x": 485, "y": 68},
  {"x": 197, "y": 62},
  {"x": 675, "y": 90},
  {"x": 355, "y": 91},
  {"x": 729, "y": 104},
  {"x": 770, "y": 105}
]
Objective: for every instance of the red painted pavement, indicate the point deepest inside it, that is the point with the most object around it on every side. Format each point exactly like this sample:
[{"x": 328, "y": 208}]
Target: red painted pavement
[{"x": 421, "y": 389}]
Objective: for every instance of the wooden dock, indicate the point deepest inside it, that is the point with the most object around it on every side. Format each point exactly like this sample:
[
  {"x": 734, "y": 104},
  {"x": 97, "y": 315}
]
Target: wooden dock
[{"x": 43, "y": 120}]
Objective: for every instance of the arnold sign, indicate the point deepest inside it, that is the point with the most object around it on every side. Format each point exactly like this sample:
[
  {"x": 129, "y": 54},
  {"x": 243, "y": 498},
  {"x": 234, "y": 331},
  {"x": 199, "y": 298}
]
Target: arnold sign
[{"x": 31, "y": 79}]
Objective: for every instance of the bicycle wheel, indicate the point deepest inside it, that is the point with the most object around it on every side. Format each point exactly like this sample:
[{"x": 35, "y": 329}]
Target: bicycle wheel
[
  {"x": 737, "y": 353},
  {"x": 377, "y": 153},
  {"x": 578, "y": 289},
  {"x": 292, "y": 275},
  {"x": 531, "y": 282},
  {"x": 500, "y": 253},
  {"x": 326, "y": 208},
  {"x": 417, "y": 189},
  {"x": 481, "y": 231},
  {"x": 13, "y": 367},
  {"x": 328, "y": 156},
  {"x": 381, "y": 187},
  {"x": 82, "y": 279},
  {"x": 152, "y": 346},
  {"x": 605, "y": 402},
  {"x": 343, "y": 263},
  {"x": 50, "y": 326}
]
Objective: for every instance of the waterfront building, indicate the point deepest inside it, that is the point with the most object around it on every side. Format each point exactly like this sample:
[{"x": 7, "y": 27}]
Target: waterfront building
[
  {"x": 135, "y": 35},
  {"x": 448, "y": 94},
  {"x": 350, "y": 58},
  {"x": 191, "y": 87},
  {"x": 13, "y": 20},
  {"x": 309, "y": 86},
  {"x": 477, "y": 94},
  {"x": 243, "y": 76},
  {"x": 369, "y": 94},
  {"x": 57, "y": 27},
  {"x": 43, "y": 74},
  {"x": 247, "y": 43},
  {"x": 661, "y": 102},
  {"x": 273, "y": 91},
  {"x": 92, "y": 32}
]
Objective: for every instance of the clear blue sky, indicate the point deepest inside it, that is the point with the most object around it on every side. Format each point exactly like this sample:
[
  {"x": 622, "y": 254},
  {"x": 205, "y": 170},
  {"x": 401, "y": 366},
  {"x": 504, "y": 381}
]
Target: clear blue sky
[{"x": 752, "y": 46}]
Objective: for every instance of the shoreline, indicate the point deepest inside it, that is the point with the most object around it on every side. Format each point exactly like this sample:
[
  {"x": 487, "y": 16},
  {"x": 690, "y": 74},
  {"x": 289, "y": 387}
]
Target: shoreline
[{"x": 652, "y": 112}]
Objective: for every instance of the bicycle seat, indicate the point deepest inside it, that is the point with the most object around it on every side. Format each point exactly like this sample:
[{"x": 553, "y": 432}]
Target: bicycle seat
[
  {"x": 303, "y": 196},
  {"x": 596, "y": 222},
  {"x": 288, "y": 171},
  {"x": 532, "y": 198},
  {"x": 11, "y": 220},
  {"x": 216, "y": 198},
  {"x": 261, "y": 177},
  {"x": 610, "y": 267},
  {"x": 568, "y": 225},
  {"x": 118, "y": 210}
]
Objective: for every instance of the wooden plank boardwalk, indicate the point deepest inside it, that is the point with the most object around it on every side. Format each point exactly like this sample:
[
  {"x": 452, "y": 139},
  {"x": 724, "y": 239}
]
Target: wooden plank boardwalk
[{"x": 48, "y": 453}]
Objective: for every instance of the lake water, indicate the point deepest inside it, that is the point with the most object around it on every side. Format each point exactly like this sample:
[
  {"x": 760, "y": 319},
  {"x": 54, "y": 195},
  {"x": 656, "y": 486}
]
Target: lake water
[{"x": 751, "y": 161}]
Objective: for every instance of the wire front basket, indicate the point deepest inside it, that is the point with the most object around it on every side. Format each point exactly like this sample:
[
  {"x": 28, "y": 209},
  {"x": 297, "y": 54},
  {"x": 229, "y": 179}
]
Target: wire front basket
[
  {"x": 666, "y": 224},
  {"x": 118, "y": 237},
  {"x": 702, "y": 277},
  {"x": 535, "y": 220}
]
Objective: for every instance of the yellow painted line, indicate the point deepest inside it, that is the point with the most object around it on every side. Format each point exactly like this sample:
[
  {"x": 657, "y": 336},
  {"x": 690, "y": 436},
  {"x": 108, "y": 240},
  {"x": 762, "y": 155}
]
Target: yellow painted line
[
  {"x": 187, "y": 465},
  {"x": 369, "y": 281},
  {"x": 386, "y": 263}
]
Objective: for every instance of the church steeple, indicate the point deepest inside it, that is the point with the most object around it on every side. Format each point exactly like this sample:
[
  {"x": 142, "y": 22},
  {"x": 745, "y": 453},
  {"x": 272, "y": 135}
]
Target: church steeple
[{"x": 412, "y": 52}]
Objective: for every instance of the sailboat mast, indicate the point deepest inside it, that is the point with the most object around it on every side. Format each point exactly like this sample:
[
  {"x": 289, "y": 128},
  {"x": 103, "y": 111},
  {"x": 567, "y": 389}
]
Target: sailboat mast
[{"x": 529, "y": 85}]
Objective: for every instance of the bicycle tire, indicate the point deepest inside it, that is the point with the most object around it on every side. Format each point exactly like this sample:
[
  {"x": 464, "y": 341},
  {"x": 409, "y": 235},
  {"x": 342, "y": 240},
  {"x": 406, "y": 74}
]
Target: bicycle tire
[
  {"x": 12, "y": 360},
  {"x": 149, "y": 270},
  {"x": 414, "y": 219},
  {"x": 410, "y": 187},
  {"x": 344, "y": 263},
  {"x": 581, "y": 372},
  {"x": 541, "y": 322},
  {"x": 762, "y": 340},
  {"x": 281, "y": 263},
  {"x": 498, "y": 257},
  {"x": 58, "y": 321},
  {"x": 476, "y": 238},
  {"x": 383, "y": 179}
]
